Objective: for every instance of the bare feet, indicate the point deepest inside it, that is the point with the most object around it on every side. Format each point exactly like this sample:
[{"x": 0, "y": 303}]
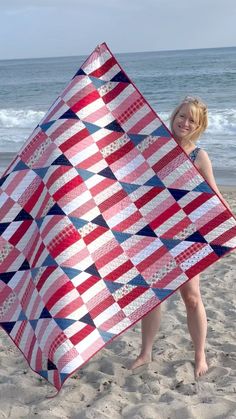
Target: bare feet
[
  {"x": 140, "y": 361},
  {"x": 201, "y": 366}
]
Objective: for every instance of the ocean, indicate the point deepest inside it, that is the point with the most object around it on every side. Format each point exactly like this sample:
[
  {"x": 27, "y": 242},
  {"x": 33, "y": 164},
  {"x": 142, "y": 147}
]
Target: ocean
[{"x": 29, "y": 86}]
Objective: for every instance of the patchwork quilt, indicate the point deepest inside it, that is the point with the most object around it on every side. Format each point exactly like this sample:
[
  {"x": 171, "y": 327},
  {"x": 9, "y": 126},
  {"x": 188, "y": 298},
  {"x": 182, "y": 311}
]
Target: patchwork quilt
[{"x": 102, "y": 217}]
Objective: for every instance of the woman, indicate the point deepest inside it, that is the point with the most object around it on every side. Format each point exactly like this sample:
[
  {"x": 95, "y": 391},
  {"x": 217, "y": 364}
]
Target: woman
[{"x": 188, "y": 121}]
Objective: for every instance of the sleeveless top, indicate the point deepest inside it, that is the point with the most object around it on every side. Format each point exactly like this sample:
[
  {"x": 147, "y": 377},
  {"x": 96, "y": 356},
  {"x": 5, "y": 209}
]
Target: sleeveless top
[{"x": 194, "y": 153}]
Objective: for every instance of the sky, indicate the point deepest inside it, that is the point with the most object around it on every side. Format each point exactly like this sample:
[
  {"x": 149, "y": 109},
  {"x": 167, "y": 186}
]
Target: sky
[{"x": 51, "y": 28}]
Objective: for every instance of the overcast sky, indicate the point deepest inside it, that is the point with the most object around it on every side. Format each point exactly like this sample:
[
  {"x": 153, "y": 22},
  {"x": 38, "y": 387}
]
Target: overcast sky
[{"x": 47, "y": 28}]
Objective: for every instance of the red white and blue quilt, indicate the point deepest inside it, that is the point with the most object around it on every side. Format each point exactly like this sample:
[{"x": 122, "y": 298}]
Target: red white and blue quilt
[{"x": 102, "y": 217}]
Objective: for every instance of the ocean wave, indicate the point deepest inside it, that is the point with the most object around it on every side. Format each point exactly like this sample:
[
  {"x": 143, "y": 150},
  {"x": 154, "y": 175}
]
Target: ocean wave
[
  {"x": 222, "y": 122},
  {"x": 22, "y": 118}
]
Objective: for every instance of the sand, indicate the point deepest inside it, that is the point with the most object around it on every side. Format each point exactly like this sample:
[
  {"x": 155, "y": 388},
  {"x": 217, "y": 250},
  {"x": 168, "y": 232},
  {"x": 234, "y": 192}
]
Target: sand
[{"x": 105, "y": 388}]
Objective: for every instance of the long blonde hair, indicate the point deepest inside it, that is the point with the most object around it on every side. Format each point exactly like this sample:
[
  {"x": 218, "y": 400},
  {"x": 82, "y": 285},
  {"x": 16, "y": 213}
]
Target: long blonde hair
[{"x": 199, "y": 114}]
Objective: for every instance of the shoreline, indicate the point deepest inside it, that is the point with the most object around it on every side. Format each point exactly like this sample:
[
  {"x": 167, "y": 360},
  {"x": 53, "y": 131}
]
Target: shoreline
[{"x": 227, "y": 188}]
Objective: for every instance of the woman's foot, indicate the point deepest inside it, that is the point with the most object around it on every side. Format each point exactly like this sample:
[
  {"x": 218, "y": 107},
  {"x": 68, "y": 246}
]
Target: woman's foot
[
  {"x": 201, "y": 366},
  {"x": 140, "y": 361}
]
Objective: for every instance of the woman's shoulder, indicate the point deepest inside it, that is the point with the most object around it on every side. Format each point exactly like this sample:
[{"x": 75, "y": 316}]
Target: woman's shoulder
[
  {"x": 202, "y": 158},
  {"x": 202, "y": 153}
]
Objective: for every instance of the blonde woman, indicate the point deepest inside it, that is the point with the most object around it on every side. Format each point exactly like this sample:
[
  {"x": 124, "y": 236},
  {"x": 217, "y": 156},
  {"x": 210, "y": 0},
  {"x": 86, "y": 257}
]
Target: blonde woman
[{"x": 188, "y": 121}]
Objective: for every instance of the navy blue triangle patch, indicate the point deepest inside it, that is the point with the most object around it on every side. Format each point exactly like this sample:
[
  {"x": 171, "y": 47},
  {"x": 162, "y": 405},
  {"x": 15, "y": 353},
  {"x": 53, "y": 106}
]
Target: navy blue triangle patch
[
  {"x": 99, "y": 220},
  {"x": 2, "y": 180},
  {"x": 155, "y": 181},
  {"x": 91, "y": 127},
  {"x": 64, "y": 323},
  {"x": 39, "y": 222},
  {"x": 34, "y": 273},
  {"x": 43, "y": 374},
  {"x": 61, "y": 161},
  {"x": 139, "y": 281},
  {"x": 3, "y": 227},
  {"x": 8, "y": 326},
  {"x": 63, "y": 376},
  {"x": 69, "y": 114},
  {"x": 45, "y": 314},
  {"x": 78, "y": 222},
  {"x": 177, "y": 193},
  {"x": 49, "y": 261},
  {"x": 23, "y": 215},
  {"x": 6, "y": 276},
  {"x": 120, "y": 77},
  {"x": 22, "y": 316},
  {"x": 51, "y": 365},
  {"x": 114, "y": 126},
  {"x": 56, "y": 210},
  {"x": 25, "y": 266},
  {"x": 106, "y": 336},
  {"x": 129, "y": 187},
  {"x": 170, "y": 243},
  {"x": 41, "y": 172},
  {"x": 107, "y": 172},
  {"x": 85, "y": 174},
  {"x": 20, "y": 166},
  {"x": 161, "y": 293},
  {"x": 97, "y": 82},
  {"x": 92, "y": 270},
  {"x": 196, "y": 237},
  {"x": 120, "y": 236},
  {"x": 137, "y": 138},
  {"x": 80, "y": 72},
  {"x": 44, "y": 127},
  {"x": 219, "y": 250},
  {"x": 161, "y": 132},
  {"x": 146, "y": 231},
  {"x": 113, "y": 286},
  {"x": 70, "y": 272},
  {"x": 204, "y": 187},
  {"x": 87, "y": 319},
  {"x": 33, "y": 323}
]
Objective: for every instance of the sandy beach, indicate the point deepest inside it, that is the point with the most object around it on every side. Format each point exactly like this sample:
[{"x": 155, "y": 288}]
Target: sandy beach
[{"x": 105, "y": 387}]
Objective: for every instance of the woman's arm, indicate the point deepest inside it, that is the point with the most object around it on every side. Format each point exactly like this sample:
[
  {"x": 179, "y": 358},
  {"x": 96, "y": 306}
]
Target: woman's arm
[{"x": 203, "y": 163}]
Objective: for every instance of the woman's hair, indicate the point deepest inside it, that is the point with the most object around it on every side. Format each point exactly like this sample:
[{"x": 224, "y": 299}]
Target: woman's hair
[{"x": 199, "y": 114}]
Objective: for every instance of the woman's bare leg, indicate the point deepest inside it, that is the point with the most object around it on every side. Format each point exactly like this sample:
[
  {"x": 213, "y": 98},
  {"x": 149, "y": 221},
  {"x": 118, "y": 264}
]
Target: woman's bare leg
[
  {"x": 150, "y": 326},
  {"x": 197, "y": 322}
]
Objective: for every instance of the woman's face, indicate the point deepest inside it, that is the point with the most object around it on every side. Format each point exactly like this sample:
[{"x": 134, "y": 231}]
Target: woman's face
[{"x": 184, "y": 124}]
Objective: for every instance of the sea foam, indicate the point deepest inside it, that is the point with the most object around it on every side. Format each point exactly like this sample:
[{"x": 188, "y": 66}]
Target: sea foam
[{"x": 22, "y": 118}]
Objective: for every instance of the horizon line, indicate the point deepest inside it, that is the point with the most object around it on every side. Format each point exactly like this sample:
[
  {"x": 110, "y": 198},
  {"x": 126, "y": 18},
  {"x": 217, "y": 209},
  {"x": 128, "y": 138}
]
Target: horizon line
[{"x": 116, "y": 53}]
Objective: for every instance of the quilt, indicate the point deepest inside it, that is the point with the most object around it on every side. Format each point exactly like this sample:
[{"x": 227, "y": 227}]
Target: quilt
[{"x": 102, "y": 217}]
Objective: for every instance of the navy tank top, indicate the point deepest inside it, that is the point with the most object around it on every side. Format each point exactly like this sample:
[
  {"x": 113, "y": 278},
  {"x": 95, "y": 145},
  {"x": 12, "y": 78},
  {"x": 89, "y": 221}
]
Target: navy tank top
[{"x": 194, "y": 153}]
